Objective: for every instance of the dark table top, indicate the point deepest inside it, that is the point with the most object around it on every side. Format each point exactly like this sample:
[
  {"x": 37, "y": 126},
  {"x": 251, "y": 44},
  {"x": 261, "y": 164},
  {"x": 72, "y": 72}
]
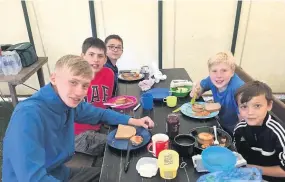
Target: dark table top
[{"x": 113, "y": 164}]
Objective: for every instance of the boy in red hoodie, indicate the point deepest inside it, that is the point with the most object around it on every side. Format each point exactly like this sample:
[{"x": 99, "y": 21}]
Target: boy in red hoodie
[{"x": 99, "y": 92}]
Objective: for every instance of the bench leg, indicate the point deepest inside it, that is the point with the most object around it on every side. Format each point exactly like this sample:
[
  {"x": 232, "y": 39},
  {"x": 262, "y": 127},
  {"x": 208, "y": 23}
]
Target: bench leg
[
  {"x": 41, "y": 77},
  {"x": 13, "y": 93}
]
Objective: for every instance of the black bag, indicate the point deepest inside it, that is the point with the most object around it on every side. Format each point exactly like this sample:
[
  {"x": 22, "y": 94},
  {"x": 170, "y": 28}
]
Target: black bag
[{"x": 26, "y": 52}]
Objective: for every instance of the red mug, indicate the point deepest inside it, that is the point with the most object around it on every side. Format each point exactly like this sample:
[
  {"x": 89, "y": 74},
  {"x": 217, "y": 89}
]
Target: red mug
[{"x": 159, "y": 143}]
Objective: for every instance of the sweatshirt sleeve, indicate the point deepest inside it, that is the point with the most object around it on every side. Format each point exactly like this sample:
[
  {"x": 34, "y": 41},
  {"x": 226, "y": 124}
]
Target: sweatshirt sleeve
[
  {"x": 24, "y": 141},
  {"x": 88, "y": 114},
  {"x": 279, "y": 132}
]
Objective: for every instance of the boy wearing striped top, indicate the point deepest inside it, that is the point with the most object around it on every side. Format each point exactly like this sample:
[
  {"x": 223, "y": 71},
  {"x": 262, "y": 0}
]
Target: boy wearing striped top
[{"x": 259, "y": 138}]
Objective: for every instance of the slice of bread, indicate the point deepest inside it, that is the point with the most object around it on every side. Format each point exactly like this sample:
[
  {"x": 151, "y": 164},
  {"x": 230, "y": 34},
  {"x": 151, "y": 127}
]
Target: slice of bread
[
  {"x": 212, "y": 107},
  {"x": 121, "y": 100},
  {"x": 125, "y": 132}
]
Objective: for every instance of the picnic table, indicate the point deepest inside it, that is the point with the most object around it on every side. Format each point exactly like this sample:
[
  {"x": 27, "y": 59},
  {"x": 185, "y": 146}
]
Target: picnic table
[
  {"x": 24, "y": 75},
  {"x": 113, "y": 163}
]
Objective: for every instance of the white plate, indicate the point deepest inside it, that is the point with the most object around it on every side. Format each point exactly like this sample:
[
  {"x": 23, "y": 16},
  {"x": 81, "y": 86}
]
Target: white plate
[{"x": 141, "y": 76}]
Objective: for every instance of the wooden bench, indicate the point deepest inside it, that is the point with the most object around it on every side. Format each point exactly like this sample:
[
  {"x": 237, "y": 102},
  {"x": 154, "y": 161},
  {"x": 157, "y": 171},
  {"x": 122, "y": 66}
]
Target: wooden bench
[
  {"x": 278, "y": 109},
  {"x": 80, "y": 160}
]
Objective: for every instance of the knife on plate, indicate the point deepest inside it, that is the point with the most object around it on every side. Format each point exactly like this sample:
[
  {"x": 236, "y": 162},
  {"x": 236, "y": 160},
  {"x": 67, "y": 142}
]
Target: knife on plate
[
  {"x": 127, "y": 161},
  {"x": 117, "y": 105}
]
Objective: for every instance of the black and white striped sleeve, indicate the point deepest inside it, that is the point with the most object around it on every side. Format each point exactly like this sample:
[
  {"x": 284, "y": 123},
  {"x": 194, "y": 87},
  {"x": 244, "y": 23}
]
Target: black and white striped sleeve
[{"x": 279, "y": 130}]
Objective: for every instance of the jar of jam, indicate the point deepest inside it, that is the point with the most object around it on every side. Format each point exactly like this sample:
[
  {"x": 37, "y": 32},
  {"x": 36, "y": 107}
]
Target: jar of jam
[{"x": 172, "y": 125}]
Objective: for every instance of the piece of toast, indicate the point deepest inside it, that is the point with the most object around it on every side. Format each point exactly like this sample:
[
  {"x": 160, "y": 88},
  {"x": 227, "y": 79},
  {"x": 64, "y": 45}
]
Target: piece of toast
[
  {"x": 125, "y": 132},
  {"x": 121, "y": 100},
  {"x": 212, "y": 107}
]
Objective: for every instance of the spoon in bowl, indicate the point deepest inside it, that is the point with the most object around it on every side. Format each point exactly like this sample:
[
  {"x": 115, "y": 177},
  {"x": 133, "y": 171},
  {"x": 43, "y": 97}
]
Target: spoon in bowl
[{"x": 216, "y": 142}]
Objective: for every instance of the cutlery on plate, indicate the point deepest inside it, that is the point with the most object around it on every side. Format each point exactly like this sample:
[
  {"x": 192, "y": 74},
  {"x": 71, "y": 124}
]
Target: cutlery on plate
[
  {"x": 127, "y": 161},
  {"x": 176, "y": 110},
  {"x": 117, "y": 105},
  {"x": 216, "y": 142},
  {"x": 137, "y": 107}
]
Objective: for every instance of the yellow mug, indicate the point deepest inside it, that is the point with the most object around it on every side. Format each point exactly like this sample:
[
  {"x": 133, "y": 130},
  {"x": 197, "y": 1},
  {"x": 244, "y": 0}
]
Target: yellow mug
[{"x": 171, "y": 101}]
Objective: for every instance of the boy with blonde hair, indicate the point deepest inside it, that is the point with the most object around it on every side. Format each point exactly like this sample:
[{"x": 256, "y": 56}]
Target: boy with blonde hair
[
  {"x": 260, "y": 138},
  {"x": 39, "y": 139},
  {"x": 223, "y": 82}
]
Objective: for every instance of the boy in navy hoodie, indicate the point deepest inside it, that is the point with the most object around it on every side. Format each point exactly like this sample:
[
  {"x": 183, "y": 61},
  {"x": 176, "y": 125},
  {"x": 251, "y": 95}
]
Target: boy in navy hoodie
[
  {"x": 40, "y": 135},
  {"x": 114, "y": 44}
]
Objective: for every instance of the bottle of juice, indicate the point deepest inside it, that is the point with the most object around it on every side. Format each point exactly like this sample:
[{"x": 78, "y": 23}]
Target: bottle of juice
[{"x": 172, "y": 125}]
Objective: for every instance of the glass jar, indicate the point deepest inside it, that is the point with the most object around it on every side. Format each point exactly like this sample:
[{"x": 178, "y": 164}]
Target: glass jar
[{"x": 172, "y": 125}]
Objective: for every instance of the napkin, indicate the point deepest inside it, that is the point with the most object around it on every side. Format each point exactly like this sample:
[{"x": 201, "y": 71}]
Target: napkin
[
  {"x": 154, "y": 71},
  {"x": 146, "y": 84}
]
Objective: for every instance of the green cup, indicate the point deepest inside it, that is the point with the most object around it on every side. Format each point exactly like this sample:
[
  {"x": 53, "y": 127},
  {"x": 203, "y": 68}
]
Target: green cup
[{"x": 171, "y": 101}]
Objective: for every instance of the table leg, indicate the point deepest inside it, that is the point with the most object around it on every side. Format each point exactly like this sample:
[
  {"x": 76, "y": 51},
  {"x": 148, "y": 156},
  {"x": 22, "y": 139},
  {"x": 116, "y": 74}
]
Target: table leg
[
  {"x": 41, "y": 78},
  {"x": 13, "y": 93}
]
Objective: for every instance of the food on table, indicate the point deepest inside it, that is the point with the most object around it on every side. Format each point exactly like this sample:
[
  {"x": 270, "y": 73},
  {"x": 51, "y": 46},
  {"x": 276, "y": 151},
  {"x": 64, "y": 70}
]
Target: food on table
[
  {"x": 126, "y": 75},
  {"x": 181, "y": 90},
  {"x": 136, "y": 75},
  {"x": 136, "y": 140},
  {"x": 202, "y": 113},
  {"x": 212, "y": 107},
  {"x": 121, "y": 100},
  {"x": 205, "y": 138},
  {"x": 131, "y": 76},
  {"x": 205, "y": 110},
  {"x": 125, "y": 132},
  {"x": 197, "y": 107}
]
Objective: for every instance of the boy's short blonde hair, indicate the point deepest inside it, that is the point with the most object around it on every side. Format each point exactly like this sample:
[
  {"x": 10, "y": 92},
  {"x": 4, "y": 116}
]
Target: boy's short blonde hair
[
  {"x": 76, "y": 65},
  {"x": 222, "y": 57}
]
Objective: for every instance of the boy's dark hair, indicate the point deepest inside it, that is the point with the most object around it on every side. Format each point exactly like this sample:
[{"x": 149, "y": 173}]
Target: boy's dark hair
[
  {"x": 253, "y": 89},
  {"x": 93, "y": 42},
  {"x": 117, "y": 37}
]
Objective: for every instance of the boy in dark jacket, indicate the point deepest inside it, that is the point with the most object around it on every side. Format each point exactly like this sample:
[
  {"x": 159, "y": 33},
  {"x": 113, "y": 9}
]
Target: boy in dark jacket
[{"x": 259, "y": 138}]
